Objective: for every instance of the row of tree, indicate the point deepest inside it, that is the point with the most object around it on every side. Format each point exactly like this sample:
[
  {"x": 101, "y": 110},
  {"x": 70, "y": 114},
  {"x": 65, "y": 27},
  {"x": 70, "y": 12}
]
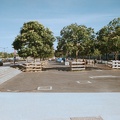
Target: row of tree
[
  {"x": 108, "y": 38},
  {"x": 75, "y": 40},
  {"x": 78, "y": 40},
  {"x": 6, "y": 55}
]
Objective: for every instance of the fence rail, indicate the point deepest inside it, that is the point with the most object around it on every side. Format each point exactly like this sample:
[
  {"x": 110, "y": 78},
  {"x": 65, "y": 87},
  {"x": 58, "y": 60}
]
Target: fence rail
[
  {"x": 77, "y": 66},
  {"x": 32, "y": 67},
  {"x": 114, "y": 64}
]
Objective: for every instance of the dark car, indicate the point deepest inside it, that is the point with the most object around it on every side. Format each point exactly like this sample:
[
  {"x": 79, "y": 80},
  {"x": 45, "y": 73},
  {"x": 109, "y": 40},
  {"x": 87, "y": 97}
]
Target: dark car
[{"x": 1, "y": 63}]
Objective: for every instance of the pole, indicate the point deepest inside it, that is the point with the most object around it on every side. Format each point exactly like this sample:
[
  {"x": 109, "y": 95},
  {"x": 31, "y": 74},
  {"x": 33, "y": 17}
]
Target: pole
[{"x": 14, "y": 56}]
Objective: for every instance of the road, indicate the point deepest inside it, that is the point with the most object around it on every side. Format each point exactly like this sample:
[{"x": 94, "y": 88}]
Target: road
[{"x": 58, "y": 79}]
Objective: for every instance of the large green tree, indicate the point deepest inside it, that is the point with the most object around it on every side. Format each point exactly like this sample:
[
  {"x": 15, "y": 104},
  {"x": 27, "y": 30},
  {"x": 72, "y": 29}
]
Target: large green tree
[
  {"x": 103, "y": 41},
  {"x": 109, "y": 38},
  {"x": 34, "y": 40},
  {"x": 114, "y": 36},
  {"x": 74, "y": 40}
]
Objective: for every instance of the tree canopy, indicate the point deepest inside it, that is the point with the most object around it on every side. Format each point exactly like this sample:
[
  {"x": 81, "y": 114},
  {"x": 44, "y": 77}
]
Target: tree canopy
[
  {"x": 75, "y": 39},
  {"x": 109, "y": 38},
  {"x": 34, "y": 40}
]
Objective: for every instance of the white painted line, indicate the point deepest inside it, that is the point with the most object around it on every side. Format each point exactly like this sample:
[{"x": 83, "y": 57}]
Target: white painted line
[
  {"x": 78, "y": 82},
  {"x": 44, "y": 88},
  {"x": 83, "y": 82},
  {"x": 9, "y": 90},
  {"x": 89, "y": 82},
  {"x": 104, "y": 76}
]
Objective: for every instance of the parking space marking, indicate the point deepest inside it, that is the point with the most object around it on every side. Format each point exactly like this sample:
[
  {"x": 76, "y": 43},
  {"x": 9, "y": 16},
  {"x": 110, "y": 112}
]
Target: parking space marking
[
  {"x": 83, "y": 82},
  {"x": 44, "y": 88},
  {"x": 89, "y": 82},
  {"x": 104, "y": 76}
]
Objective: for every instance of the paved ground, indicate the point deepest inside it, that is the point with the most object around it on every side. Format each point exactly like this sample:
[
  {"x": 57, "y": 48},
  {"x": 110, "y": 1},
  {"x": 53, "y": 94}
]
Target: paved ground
[
  {"x": 59, "y": 106},
  {"x": 7, "y": 72},
  {"x": 57, "y": 78},
  {"x": 94, "y": 92}
]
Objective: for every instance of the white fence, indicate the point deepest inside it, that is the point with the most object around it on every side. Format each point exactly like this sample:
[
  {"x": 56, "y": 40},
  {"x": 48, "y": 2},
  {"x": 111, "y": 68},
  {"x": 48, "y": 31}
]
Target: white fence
[
  {"x": 114, "y": 64},
  {"x": 77, "y": 66}
]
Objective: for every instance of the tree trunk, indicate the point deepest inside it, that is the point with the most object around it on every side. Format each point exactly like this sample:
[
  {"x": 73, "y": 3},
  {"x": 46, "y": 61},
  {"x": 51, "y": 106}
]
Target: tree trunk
[
  {"x": 76, "y": 55},
  {"x": 34, "y": 60},
  {"x": 27, "y": 59},
  {"x": 89, "y": 59},
  {"x": 116, "y": 55},
  {"x": 106, "y": 56}
]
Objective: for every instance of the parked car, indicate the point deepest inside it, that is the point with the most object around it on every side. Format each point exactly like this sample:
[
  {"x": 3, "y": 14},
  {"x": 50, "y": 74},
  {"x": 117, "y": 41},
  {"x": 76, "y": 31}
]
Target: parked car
[
  {"x": 60, "y": 60},
  {"x": 1, "y": 62}
]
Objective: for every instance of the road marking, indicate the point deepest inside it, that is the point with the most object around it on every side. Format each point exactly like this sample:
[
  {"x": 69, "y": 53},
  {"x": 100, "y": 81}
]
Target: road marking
[
  {"x": 89, "y": 82},
  {"x": 104, "y": 76},
  {"x": 44, "y": 88},
  {"x": 83, "y": 82},
  {"x": 8, "y": 90},
  {"x": 78, "y": 82}
]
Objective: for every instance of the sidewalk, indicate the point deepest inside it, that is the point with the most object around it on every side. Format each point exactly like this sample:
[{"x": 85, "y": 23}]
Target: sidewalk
[
  {"x": 44, "y": 106},
  {"x": 7, "y": 73}
]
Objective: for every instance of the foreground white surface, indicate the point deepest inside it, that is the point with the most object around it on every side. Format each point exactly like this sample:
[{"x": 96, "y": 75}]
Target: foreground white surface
[{"x": 59, "y": 106}]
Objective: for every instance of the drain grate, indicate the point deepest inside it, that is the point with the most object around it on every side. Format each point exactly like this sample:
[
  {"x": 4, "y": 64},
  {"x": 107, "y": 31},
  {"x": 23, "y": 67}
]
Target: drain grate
[{"x": 44, "y": 88}]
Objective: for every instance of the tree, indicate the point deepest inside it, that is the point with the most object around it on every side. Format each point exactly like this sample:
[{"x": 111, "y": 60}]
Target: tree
[
  {"x": 114, "y": 36},
  {"x": 73, "y": 39},
  {"x": 34, "y": 40},
  {"x": 109, "y": 38},
  {"x": 103, "y": 41}
]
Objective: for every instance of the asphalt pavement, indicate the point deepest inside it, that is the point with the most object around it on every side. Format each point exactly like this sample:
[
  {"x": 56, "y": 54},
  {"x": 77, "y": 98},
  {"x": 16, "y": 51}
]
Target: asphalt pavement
[{"x": 57, "y": 78}]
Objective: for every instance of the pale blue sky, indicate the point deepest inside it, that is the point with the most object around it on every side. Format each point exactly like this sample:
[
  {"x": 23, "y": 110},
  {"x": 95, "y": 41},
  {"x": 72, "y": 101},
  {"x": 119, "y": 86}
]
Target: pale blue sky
[{"x": 54, "y": 14}]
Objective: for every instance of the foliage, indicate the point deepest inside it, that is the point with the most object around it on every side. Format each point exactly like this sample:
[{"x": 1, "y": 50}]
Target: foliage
[
  {"x": 6, "y": 55},
  {"x": 75, "y": 39},
  {"x": 34, "y": 40},
  {"x": 109, "y": 38}
]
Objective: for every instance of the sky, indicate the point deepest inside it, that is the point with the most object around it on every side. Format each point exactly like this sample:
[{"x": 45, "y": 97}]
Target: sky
[{"x": 53, "y": 14}]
